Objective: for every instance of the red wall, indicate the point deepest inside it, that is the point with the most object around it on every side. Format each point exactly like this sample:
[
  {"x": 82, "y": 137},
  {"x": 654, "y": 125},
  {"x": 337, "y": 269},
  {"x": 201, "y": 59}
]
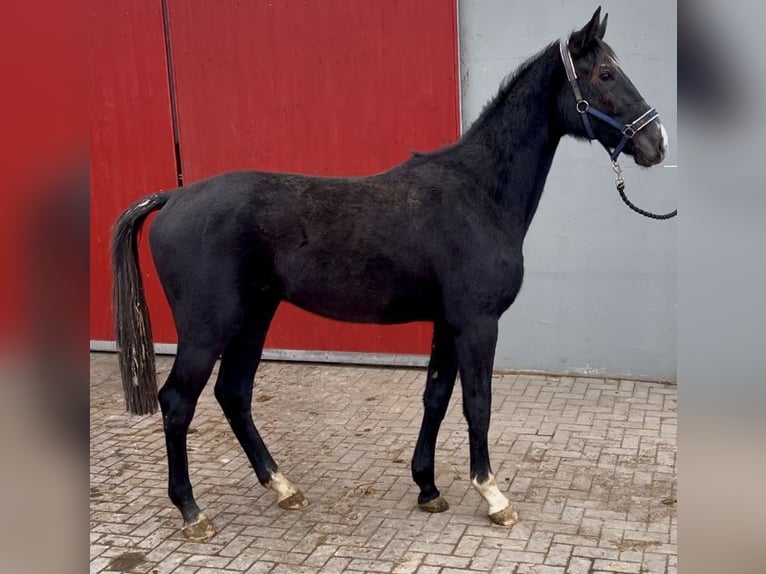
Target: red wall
[
  {"x": 334, "y": 87},
  {"x": 131, "y": 141}
]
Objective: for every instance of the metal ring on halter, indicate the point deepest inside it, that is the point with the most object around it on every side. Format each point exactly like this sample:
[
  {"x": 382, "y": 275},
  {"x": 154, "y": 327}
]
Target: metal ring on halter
[
  {"x": 585, "y": 107},
  {"x": 628, "y": 132}
]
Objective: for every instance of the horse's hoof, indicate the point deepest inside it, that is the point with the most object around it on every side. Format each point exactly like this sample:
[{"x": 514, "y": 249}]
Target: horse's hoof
[
  {"x": 438, "y": 504},
  {"x": 199, "y": 531},
  {"x": 295, "y": 501},
  {"x": 506, "y": 517}
]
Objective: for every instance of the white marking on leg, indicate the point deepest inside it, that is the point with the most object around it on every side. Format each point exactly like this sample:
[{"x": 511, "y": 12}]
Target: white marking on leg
[
  {"x": 491, "y": 493},
  {"x": 435, "y": 375},
  {"x": 283, "y": 487}
]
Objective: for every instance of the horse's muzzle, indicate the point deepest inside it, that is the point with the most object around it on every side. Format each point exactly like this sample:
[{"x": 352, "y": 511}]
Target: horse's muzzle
[{"x": 651, "y": 145}]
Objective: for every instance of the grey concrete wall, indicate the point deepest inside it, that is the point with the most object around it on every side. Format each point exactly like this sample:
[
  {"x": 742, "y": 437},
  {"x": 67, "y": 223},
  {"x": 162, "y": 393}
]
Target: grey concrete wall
[{"x": 599, "y": 295}]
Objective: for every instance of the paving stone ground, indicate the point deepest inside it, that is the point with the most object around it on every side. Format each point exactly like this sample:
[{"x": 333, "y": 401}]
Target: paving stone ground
[{"x": 590, "y": 465}]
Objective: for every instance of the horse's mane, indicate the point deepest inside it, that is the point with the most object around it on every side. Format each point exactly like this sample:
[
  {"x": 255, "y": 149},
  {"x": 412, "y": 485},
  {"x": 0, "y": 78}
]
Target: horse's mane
[
  {"x": 506, "y": 86},
  {"x": 508, "y": 83}
]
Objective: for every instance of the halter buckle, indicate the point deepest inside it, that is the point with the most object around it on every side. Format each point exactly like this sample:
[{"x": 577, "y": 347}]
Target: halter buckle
[
  {"x": 629, "y": 132},
  {"x": 582, "y": 106}
]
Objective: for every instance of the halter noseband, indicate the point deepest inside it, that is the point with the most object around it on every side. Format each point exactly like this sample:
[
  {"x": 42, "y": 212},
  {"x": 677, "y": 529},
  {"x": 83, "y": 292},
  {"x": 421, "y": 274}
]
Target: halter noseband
[{"x": 584, "y": 108}]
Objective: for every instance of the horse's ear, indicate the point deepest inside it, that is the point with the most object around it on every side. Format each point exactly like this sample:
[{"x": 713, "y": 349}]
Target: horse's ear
[
  {"x": 602, "y": 28},
  {"x": 582, "y": 39}
]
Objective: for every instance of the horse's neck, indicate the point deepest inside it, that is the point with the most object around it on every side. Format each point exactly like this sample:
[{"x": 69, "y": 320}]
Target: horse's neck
[{"x": 514, "y": 140}]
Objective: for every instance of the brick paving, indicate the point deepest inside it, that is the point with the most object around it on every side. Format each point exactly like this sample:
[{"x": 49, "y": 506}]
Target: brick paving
[{"x": 590, "y": 464}]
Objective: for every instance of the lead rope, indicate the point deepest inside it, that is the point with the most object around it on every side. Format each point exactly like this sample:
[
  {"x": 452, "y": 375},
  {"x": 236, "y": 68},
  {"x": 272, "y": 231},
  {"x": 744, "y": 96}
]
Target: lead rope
[{"x": 619, "y": 182}]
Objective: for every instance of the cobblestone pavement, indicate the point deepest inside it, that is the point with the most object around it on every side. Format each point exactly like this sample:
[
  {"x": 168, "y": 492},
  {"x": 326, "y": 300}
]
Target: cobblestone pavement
[{"x": 590, "y": 464}]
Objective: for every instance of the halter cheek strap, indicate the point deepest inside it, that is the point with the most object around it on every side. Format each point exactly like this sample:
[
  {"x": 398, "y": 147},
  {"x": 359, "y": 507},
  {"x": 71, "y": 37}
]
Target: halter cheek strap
[
  {"x": 585, "y": 109},
  {"x": 581, "y": 103}
]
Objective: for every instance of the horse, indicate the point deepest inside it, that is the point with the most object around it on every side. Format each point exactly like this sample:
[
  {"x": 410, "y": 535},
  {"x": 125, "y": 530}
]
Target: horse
[{"x": 437, "y": 238}]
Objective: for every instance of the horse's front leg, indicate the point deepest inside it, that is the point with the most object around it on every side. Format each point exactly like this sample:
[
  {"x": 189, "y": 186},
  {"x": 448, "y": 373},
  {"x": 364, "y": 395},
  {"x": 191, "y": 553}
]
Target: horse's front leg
[
  {"x": 476, "y": 353},
  {"x": 442, "y": 372}
]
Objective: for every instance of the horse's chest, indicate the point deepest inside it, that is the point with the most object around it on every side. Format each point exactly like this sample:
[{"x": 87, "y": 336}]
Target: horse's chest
[
  {"x": 491, "y": 282},
  {"x": 507, "y": 282}
]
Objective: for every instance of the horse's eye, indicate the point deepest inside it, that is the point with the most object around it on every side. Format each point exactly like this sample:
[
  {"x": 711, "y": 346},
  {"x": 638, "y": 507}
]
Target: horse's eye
[{"x": 605, "y": 76}]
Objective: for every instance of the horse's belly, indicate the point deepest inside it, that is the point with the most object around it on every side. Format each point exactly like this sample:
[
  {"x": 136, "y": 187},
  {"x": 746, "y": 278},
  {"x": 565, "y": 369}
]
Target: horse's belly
[{"x": 365, "y": 300}]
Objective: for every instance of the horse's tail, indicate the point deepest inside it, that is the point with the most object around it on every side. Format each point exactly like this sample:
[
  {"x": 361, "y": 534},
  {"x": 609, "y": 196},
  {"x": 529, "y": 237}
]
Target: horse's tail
[{"x": 133, "y": 329}]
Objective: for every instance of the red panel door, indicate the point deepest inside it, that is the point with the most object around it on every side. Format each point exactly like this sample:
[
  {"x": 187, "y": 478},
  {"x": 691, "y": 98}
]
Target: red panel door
[
  {"x": 131, "y": 140},
  {"x": 331, "y": 88}
]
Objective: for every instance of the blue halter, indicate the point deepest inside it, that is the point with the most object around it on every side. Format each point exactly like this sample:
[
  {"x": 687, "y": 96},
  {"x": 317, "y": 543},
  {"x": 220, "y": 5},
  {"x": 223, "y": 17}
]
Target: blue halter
[{"x": 584, "y": 108}]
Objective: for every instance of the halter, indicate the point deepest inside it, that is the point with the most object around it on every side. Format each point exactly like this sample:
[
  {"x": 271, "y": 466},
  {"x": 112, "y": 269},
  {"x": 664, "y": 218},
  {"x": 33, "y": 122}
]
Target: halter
[{"x": 628, "y": 131}]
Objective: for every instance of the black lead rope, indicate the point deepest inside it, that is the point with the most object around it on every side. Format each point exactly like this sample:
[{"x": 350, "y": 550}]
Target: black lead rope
[
  {"x": 627, "y": 130},
  {"x": 619, "y": 182}
]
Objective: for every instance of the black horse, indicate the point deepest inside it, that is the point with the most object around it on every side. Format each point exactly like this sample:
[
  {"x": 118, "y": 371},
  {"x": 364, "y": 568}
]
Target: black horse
[{"x": 438, "y": 238}]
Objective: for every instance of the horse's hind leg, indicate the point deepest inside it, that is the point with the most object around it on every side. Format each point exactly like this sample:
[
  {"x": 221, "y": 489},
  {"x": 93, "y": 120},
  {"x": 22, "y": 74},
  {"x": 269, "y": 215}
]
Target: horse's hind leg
[
  {"x": 178, "y": 399},
  {"x": 234, "y": 391},
  {"x": 442, "y": 371}
]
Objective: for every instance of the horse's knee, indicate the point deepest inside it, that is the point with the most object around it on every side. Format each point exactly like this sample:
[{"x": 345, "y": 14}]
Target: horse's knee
[{"x": 435, "y": 408}]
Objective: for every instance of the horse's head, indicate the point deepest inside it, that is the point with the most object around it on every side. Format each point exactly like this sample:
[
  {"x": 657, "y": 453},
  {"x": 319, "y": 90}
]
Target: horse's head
[{"x": 609, "y": 106}]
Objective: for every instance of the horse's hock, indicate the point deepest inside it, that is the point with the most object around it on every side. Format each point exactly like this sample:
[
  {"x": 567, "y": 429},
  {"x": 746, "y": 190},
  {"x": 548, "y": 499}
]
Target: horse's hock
[{"x": 589, "y": 464}]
